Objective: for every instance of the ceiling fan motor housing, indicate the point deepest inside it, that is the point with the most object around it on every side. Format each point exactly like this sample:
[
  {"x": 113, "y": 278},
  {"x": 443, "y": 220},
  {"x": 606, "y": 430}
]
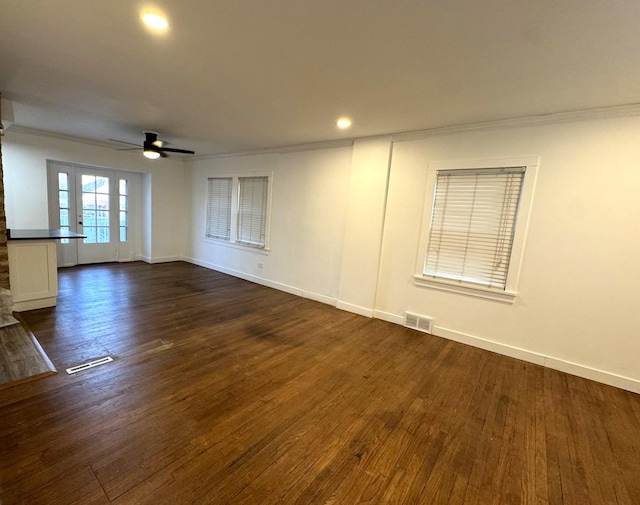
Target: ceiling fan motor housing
[
  {"x": 149, "y": 146},
  {"x": 151, "y": 142}
]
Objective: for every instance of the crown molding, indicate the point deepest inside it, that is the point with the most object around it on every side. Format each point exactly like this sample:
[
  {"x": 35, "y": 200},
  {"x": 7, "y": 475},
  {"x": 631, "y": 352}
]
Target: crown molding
[
  {"x": 312, "y": 146},
  {"x": 330, "y": 144},
  {"x": 16, "y": 128},
  {"x": 618, "y": 111}
]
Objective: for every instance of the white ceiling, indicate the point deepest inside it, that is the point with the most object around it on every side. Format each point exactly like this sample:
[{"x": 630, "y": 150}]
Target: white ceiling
[{"x": 238, "y": 75}]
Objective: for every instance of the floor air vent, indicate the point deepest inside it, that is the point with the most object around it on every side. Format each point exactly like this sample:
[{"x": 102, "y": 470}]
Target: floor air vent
[
  {"x": 420, "y": 323},
  {"x": 90, "y": 364}
]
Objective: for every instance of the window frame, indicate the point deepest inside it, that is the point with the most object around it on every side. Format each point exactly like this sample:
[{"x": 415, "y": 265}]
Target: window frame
[
  {"x": 245, "y": 229},
  {"x": 126, "y": 211},
  {"x": 229, "y": 210},
  {"x": 233, "y": 241},
  {"x": 508, "y": 295}
]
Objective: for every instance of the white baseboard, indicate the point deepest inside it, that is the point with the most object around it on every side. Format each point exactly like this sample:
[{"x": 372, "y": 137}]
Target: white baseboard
[
  {"x": 41, "y": 303},
  {"x": 594, "y": 374},
  {"x": 569, "y": 367},
  {"x": 164, "y": 259},
  {"x": 387, "y": 316},
  {"x": 356, "y": 309},
  {"x": 577, "y": 369},
  {"x": 320, "y": 298},
  {"x": 264, "y": 282}
]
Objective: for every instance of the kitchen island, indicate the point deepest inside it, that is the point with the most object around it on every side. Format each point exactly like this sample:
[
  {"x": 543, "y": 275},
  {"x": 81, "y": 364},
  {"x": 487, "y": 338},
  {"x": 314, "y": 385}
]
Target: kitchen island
[{"x": 33, "y": 266}]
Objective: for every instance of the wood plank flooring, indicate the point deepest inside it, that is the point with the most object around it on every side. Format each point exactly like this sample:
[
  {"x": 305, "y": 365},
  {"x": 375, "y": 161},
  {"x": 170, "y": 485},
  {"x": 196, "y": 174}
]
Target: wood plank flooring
[
  {"x": 21, "y": 356},
  {"x": 226, "y": 392}
]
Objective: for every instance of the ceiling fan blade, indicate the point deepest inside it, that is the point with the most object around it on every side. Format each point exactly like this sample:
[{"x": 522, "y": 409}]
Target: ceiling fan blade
[
  {"x": 152, "y": 143},
  {"x": 171, "y": 150}
]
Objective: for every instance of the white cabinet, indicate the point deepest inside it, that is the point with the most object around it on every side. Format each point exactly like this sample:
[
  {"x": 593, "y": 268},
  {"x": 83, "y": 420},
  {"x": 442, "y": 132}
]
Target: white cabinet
[{"x": 33, "y": 273}]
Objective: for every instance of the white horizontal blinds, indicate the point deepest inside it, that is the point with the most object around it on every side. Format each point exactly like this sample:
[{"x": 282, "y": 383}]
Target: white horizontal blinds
[
  {"x": 472, "y": 225},
  {"x": 252, "y": 210},
  {"x": 219, "y": 208}
]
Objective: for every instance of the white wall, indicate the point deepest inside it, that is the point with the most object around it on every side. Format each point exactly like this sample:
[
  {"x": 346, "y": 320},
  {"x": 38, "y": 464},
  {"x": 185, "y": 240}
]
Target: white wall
[
  {"x": 364, "y": 224},
  {"x": 309, "y": 201},
  {"x": 25, "y": 178},
  {"x": 578, "y": 290},
  {"x": 578, "y": 293}
]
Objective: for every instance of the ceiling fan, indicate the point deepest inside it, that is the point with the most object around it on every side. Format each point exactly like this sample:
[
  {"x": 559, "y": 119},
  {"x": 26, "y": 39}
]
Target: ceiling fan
[{"x": 153, "y": 148}]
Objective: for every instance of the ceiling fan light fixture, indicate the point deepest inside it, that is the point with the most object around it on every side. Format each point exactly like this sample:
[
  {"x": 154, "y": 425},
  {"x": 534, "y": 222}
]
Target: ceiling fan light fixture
[{"x": 152, "y": 155}]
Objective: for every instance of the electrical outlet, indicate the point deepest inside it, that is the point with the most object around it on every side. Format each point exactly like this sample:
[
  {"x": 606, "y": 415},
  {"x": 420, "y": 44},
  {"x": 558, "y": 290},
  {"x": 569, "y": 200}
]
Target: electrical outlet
[{"x": 260, "y": 265}]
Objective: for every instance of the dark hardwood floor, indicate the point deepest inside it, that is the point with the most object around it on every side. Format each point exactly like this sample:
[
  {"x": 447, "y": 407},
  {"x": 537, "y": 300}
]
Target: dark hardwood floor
[{"x": 226, "y": 392}]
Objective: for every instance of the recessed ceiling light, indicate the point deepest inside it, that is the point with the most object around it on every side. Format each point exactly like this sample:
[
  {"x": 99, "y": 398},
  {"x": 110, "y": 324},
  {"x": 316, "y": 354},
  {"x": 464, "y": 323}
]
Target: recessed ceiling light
[
  {"x": 343, "y": 123},
  {"x": 155, "y": 21}
]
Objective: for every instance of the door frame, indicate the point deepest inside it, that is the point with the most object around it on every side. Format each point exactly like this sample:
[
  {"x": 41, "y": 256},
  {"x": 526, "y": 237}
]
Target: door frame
[{"x": 68, "y": 252}]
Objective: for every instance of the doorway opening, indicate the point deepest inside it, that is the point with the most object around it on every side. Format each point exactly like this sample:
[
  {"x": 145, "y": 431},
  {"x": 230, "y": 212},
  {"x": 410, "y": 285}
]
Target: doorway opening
[{"x": 97, "y": 202}]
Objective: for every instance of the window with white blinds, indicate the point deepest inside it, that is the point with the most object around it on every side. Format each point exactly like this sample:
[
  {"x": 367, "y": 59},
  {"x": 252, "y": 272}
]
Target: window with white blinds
[
  {"x": 219, "y": 208},
  {"x": 238, "y": 210},
  {"x": 252, "y": 210},
  {"x": 472, "y": 226}
]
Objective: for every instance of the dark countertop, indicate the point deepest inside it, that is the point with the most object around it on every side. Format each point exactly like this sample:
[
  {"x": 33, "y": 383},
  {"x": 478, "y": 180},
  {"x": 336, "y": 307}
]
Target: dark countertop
[{"x": 41, "y": 234}]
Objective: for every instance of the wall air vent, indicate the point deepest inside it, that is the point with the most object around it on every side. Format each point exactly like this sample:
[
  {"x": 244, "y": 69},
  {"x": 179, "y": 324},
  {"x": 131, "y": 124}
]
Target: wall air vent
[{"x": 417, "y": 322}]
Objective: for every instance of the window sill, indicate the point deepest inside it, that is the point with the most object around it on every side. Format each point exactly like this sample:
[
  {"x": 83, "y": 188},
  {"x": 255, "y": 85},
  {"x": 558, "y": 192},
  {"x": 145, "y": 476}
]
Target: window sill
[
  {"x": 465, "y": 289},
  {"x": 236, "y": 245}
]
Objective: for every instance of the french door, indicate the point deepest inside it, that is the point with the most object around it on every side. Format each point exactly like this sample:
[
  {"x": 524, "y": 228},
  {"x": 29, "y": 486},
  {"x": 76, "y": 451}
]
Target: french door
[{"x": 94, "y": 202}]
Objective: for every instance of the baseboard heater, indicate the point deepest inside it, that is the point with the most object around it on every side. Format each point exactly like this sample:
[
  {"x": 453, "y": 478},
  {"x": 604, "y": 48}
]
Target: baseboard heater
[{"x": 90, "y": 364}]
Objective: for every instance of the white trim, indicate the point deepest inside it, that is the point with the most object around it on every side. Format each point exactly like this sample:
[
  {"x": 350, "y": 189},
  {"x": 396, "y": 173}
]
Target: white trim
[
  {"x": 262, "y": 281},
  {"x": 594, "y": 374},
  {"x": 313, "y": 146},
  {"x": 40, "y": 303},
  {"x": 618, "y": 111},
  {"x": 235, "y": 196},
  {"x": 319, "y": 298},
  {"x": 552, "y": 362},
  {"x": 356, "y": 309},
  {"x": 389, "y": 317},
  {"x": 463, "y": 289},
  {"x": 25, "y": 130},
  {"x": 236, "y": 245},
  {"x": 68, "y": 253},
  {"x": 162, "y": 259},
  {"x": 531, "y": 164},
  {"x": 489, "y": 345},
  {"x": 586, "y": 372}
]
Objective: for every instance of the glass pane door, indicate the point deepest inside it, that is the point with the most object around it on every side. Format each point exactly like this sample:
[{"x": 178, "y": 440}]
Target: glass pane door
[
  {"x": 95, "y": 209},
  {"x": 64, "y": 204},
  {"x": 96, "y": 195},
  {"x": 95, "y": 202},
  {"x": 123, "y": 197}
]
